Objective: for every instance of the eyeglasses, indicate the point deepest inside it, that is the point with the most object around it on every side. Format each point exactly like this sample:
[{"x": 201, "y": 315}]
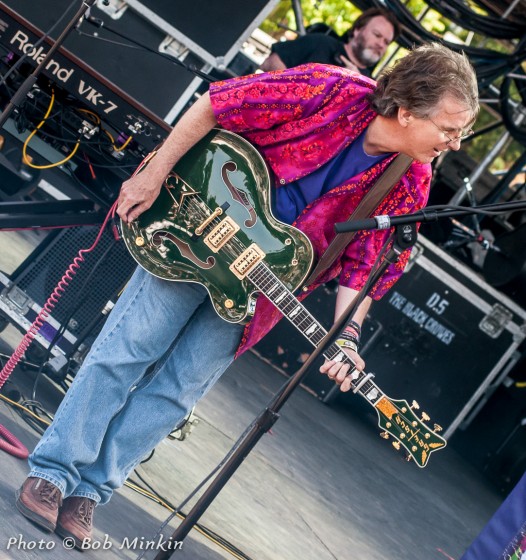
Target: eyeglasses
[{"x": 462, "y": 136}]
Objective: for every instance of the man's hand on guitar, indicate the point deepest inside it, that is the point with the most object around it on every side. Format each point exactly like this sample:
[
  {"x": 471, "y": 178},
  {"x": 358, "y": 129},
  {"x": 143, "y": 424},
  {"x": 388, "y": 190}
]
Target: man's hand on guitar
[
  {"x": 340, "y": 372},
  {"x": 137, "y": 195}
]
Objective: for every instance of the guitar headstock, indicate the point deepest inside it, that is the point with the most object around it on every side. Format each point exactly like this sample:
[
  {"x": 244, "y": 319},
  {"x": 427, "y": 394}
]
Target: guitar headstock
[{"x": 399, "y": 419}]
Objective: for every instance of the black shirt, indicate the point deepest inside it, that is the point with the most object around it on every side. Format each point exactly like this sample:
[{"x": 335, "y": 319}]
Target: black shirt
[{"x": 315, "y": 47}]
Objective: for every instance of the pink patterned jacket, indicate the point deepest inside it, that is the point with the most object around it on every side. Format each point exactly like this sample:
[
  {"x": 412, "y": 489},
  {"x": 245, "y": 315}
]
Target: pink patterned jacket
[{"x": 299, "y": 119}]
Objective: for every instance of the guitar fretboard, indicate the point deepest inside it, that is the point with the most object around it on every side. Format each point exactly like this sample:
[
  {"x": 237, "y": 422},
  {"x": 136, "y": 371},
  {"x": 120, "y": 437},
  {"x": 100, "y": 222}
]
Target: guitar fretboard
[{"x": 270, "y": 285}]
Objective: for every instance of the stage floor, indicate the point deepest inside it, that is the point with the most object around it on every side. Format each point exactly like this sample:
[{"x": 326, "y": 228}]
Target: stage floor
[{"x": 321, "y": 486}]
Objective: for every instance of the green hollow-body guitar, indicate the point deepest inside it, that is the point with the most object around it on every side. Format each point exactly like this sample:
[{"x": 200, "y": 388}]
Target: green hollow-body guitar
[{"x": 212, "y": 224}]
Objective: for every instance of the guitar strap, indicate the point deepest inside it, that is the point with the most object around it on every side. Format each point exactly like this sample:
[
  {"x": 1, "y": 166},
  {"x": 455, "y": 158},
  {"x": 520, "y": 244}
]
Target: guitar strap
[{"x": 365, "y": 209}]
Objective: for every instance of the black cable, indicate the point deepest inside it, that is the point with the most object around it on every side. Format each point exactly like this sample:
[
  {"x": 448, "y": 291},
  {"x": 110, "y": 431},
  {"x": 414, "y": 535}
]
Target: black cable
[
  {"x": 461, "y": 14},
  {"x": 506, "y": 108},
  {"x": 205, "y": 530},
  {"x": 174, "y": 60}
]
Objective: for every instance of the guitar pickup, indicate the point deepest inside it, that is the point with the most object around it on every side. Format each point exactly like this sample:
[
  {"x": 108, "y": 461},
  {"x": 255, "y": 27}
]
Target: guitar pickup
[
  {"x": 246, "y": 261},
  {"x": 222, "y": 233}
]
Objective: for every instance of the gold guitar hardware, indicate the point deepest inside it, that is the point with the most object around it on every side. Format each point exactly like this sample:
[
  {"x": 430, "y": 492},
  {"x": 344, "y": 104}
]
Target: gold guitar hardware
[
  {"x": 402, "y": 436},
  {"x": 404, "y": 409},
  {"x": 414, "y": 448},
  {"x": 288, "y": 241},
  {"x": 246, "y": 261},
  {"x": 415, "y": 405},
  {"x": 427, "y": 436},
  {"x": 217, "y": 212},
  {"x": 414, "y": 423},
  {"x": 384, "y": 435},
  {"x": 425, "y": 417},
  {"x": 221, "y": 234},
  {"x": 229, "y": 303},
  {"x": 388, "y": 424},
  {"x": 396, "y": 445},
  {"x": 437, "y": 428},
  {"x": 139, "y": 241}
]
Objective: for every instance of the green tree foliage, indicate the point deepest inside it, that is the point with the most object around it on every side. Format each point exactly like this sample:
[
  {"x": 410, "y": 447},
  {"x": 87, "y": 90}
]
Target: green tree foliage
[{"x": 339, "y": 14}]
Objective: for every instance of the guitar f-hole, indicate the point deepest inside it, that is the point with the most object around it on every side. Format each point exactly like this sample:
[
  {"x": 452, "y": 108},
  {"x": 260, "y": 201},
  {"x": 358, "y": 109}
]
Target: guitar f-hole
[{"x": 237, "y": 195}]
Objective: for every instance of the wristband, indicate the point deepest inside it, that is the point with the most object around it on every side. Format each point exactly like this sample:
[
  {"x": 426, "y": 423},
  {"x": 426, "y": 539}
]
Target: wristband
[
  {"x": 351, "y": 335},
  {"x": 353, "y": 325},
  {"x": 344, "y": 343}
]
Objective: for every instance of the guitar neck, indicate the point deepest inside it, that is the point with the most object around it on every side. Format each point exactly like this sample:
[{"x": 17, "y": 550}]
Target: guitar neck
[{"x": 269, "y": 284}]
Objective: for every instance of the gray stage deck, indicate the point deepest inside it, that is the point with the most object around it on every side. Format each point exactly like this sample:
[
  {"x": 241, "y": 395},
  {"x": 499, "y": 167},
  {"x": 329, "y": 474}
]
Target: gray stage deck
[{"x": 321, "y": 486}]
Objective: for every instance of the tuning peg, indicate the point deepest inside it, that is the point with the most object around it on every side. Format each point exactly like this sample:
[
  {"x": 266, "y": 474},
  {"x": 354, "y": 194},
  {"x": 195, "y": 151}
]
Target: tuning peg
[
  {"x": 415, "y": 405},
  {"x": 425, "y": 417},
  {"x": 408, "y": 458},
  {"x": 384, "y": 435},
  {"x": 396, "y": 445},
  {"x": 437, "y": 428}
]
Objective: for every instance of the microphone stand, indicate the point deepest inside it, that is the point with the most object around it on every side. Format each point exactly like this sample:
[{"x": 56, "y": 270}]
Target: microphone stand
[
  {"x": 29, "y": 82},
  {"x": 404, "y": 238}
]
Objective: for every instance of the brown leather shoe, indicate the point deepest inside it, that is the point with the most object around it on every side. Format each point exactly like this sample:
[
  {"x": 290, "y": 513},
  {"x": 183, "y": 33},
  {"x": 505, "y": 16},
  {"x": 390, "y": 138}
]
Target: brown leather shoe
[
  {"x": 75, "y": 519},
  {"x": 39, "y": 501}
]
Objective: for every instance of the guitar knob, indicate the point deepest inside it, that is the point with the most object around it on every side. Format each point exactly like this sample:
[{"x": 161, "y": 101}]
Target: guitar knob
[
  {"x": 384, "y": 435},
  {"x": 437, "y": 428},
  {"x": 425, "y": 417},
  {"x": 396, "y": 445},
  {"x": 415, "y": 405},
  {"x": 139, "y": 241}
]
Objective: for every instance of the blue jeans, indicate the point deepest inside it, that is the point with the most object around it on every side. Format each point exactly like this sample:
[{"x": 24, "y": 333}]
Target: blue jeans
[{"x": 113, "y": 415}]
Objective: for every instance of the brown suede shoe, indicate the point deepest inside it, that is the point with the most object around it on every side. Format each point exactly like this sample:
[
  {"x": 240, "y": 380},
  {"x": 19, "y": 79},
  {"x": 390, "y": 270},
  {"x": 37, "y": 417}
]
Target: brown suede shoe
[
  {"x": 39, "y": 501},
  {"x": 75, "y": 519}
]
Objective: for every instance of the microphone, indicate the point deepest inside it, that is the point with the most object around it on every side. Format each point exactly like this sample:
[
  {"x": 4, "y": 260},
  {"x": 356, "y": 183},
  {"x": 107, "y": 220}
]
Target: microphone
[{"x": 378, "y": 222}]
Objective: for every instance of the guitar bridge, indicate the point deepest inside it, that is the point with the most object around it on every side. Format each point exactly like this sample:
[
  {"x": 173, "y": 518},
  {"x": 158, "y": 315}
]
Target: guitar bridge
[
  {"x": 246, "y": 261},
  {"x": 222, "y": 233}
]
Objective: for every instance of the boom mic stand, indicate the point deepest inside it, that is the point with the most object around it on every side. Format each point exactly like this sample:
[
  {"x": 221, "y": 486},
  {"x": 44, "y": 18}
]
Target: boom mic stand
[
  {"x": 430, "y": 214},
  {"x": 404, "y": 238}
]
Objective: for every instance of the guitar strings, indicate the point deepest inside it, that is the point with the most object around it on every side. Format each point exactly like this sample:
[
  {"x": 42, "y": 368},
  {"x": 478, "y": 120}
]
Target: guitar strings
[
  {"x": 234, "y": 247},
  {"x": 262, "y": 277}
]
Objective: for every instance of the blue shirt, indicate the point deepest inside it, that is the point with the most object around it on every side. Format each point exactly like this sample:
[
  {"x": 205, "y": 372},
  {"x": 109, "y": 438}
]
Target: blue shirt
[{"x": 290, "y": 200}]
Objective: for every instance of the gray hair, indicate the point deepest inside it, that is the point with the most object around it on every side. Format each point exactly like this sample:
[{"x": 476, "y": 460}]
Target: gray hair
[{"x": 420, "y": 80}]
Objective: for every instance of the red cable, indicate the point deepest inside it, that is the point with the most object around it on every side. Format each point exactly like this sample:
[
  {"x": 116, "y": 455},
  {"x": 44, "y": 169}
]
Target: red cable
[
  {"x": 52, "y": 300},
  {"x": 13, "y": 445}
]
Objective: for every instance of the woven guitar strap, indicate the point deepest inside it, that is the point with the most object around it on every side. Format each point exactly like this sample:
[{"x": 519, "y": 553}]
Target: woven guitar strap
[{"x": 365, "y": 209}]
